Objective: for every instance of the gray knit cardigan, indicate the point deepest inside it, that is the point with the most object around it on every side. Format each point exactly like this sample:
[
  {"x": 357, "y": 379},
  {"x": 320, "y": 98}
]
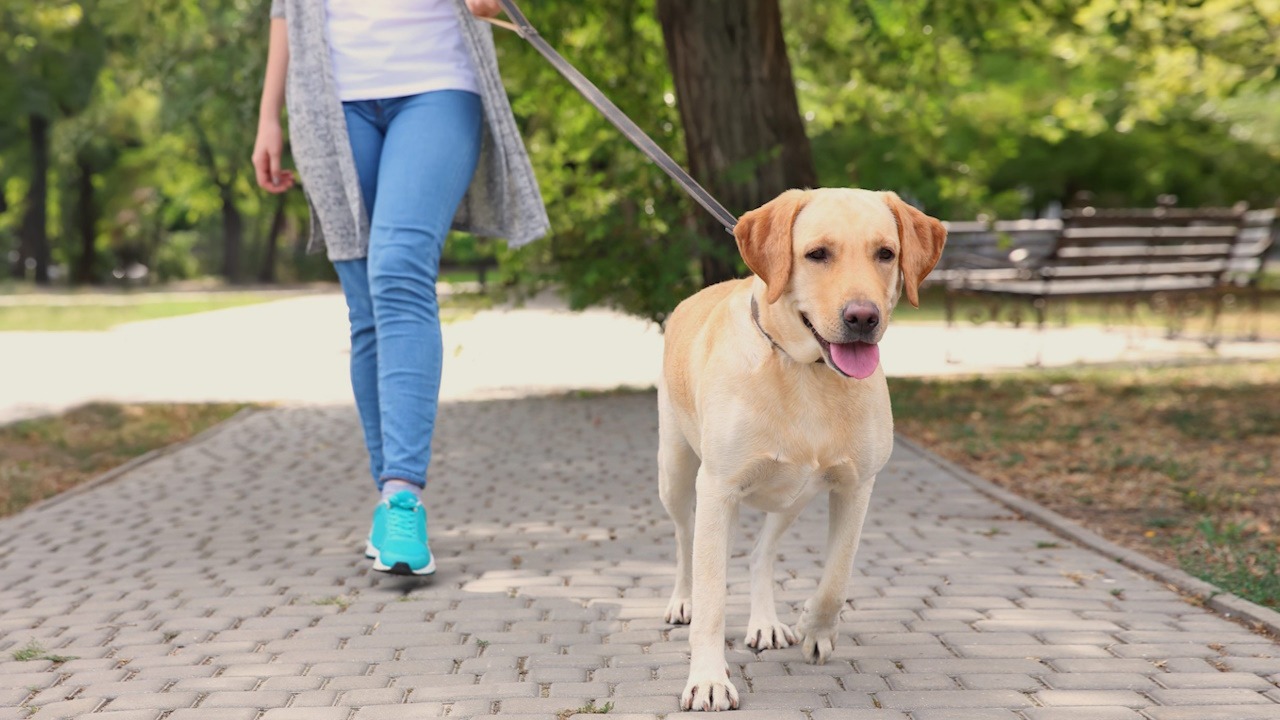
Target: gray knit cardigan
[{"x": 503, "y": 199}]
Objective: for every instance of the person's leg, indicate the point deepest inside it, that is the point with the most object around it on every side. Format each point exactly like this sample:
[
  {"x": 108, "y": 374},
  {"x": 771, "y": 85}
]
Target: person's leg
[
  {"x": 366, "y": 145},
  {"x": 430, "y": 150}
]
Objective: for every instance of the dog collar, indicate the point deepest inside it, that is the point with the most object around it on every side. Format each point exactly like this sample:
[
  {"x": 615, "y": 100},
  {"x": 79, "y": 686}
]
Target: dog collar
[{"x": 755, "y": 320}]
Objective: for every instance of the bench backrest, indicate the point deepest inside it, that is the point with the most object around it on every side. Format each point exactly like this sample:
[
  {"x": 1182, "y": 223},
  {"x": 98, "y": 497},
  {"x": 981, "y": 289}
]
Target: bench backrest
[
  {"x": 1259, "y": 232},
  {"x": 1195, "y": 246},
  {"x": 984, "y": 244}
]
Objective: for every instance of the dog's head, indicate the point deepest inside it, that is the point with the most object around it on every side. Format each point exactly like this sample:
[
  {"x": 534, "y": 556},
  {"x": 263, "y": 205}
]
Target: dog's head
[{"x": 834, "y": 262}]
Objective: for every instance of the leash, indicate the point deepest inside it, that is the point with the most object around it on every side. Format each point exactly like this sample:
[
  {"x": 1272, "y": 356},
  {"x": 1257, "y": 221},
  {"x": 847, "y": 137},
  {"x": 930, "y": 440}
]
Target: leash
[{"x": 520, "y": 25}]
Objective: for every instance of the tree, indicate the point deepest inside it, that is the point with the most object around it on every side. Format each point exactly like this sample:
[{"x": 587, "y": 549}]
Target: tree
[
  {"x": 208, "y": 59},
  {"x": 53, "y": 52},
  {"x": 743, "y": 133}
]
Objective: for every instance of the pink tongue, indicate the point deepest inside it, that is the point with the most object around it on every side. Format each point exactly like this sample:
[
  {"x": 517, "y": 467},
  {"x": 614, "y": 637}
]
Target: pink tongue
[{"x": 856, "y": 359}]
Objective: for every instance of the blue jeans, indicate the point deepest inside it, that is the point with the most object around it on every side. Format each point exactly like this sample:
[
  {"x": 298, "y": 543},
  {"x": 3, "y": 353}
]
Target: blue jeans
[{"x": 415, "y": 157}]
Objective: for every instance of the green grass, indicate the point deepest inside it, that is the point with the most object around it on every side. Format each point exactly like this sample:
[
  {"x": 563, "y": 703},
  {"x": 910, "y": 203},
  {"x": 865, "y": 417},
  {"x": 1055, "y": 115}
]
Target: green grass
[
  {"x": 463, "y": 276},
  {"x": 1177, "y": 462},
  {"x": 1235, "y": 321},
  {"x": 463, "y": 306},
  {"x": 1232, "y": 556},
  {"x": 35, "y": 651},
  {"x": 70, "y": 316},
  {"x": 45, "y": 456}
]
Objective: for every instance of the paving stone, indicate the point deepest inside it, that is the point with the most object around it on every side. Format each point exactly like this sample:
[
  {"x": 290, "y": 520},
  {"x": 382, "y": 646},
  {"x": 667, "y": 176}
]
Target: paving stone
[
  {"x": 159, "y": 701},
  {"x": 647, "y": 704},
  {"x": 842, "y": 714},
  {"x": 1214, "y": 712},
  {"x": 998, "y": 681},
  {"x": 292, "y": 684},
  {"x": 781, "y": 702},
  {"x": 1082, "y": 713},
  {"x": 1099, "y": 681},
  {"x": 957, "y": 667},
  {"x": 922, "y": 681},
  {"x": 928, "y": 699},
  {"x": 1201, "y": 681},
  {"x": 795, "y": 683},
  {"x": 395, "y": 712},
  {"x": 261, "y": 699},
  {"x": 1117, "y": 698},
  {"x": 564, "y": 576},
  {"x": 1207, "y": 697},
  {"x": 68, "y": 708},
  {"x": 1107, "y": 666},
  {"x": 306, "y": 713},
  {"x": 314, "y": 698},
  {"x": 214, "y": 714},
  {"x": 965, "y": 714}
]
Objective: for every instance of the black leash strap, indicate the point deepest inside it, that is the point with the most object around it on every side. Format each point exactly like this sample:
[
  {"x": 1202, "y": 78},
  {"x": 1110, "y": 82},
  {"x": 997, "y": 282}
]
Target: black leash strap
[{"x": 520, "y": 24}]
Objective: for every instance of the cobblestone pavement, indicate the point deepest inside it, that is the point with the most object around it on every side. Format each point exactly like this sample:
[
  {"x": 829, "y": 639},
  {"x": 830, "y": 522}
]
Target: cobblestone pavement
[{"x": 225, "y": 580}]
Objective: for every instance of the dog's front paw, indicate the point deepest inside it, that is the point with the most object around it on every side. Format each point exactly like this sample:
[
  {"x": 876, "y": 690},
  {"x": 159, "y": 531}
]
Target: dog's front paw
[
  {"x": 768, "y": 634},
  {"x": 709, "y": 693},
  {"x": 818, "y": 639},
  {"x": 679, "y": 610}
]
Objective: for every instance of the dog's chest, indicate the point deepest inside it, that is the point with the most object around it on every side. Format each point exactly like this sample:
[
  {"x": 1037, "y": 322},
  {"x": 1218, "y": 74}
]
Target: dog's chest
[
  {"x": 779, "y": 485},
  {"x": 793, "y": 453}
]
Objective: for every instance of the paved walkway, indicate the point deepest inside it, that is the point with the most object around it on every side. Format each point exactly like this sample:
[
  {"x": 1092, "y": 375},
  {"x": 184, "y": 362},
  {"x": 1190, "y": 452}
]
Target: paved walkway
[
  {"x": 226, "y": 580},
  {"x": 295, "y": 351}
]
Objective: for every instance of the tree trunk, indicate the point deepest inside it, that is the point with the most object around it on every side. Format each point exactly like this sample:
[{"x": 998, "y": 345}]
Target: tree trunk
[
  {"x": 232, "y": 235},
  {"x": 87, "y": 219},
  {"x": 267, "y": 273},
  {"x": 35, "y": 220},
  {"x": 743, "y": 132}
]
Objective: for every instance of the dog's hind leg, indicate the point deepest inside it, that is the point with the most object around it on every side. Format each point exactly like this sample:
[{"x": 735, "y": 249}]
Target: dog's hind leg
[
  {"x": 677, "y": 473},
  {"x": 764, "y": 629},
  {"x": 817, "y": 626}
]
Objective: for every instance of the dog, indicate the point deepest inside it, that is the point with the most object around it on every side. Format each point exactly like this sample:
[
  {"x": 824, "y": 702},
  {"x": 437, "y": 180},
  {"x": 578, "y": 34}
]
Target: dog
[{"x": 771, "y": 392}]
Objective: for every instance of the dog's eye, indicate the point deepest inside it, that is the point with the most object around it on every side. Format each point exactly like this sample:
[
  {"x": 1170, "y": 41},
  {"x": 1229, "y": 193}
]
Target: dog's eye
[
  {"x": 817, "y": 254},
  {"x": 885, "y": 254}
]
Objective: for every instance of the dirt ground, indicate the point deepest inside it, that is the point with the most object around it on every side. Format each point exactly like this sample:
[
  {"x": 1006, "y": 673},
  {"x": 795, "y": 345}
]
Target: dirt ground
[{"x": 1179, "y": 463}]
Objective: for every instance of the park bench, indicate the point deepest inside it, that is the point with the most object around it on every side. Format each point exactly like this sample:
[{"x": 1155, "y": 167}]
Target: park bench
[
  {"x": 1176, "y": 260},
  {"x": 1259, "y": 235}
]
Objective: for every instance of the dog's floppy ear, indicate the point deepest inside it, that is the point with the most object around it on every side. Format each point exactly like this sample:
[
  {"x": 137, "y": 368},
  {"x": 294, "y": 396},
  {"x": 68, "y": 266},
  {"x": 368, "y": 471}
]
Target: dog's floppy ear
[
  {"x": 921, "y": 238},
  {"x": 764, "y": 239}
]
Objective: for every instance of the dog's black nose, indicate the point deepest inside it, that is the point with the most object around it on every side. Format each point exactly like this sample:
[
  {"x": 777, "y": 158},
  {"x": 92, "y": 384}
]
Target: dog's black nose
[{"x": 861, "y": 317}]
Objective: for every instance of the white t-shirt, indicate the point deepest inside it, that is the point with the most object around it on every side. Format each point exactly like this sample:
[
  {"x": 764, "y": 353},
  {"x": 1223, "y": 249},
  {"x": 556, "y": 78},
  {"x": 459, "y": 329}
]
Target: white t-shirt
[{"x": 392, "y": 48}]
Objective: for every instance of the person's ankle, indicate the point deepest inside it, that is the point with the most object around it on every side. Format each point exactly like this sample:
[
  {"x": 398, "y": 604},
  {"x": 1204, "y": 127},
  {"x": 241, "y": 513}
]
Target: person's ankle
[{"x": 393, "y": 486}]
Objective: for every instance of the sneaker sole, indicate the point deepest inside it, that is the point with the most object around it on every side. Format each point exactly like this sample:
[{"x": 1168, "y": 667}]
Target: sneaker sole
[{"x": 400, "y": 568}]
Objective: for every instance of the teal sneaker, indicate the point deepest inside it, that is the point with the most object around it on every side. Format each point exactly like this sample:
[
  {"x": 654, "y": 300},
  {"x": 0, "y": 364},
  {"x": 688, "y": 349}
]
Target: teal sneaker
[{"x": 398, "y": 539}]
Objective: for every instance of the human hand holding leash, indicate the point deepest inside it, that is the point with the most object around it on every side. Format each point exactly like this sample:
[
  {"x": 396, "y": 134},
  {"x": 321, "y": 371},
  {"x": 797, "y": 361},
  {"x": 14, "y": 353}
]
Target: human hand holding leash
[{"x": 483, "y": 8}]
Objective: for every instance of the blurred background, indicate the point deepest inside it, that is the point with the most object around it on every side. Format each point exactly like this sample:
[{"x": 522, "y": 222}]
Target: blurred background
[{"x": 127, "y": 127}]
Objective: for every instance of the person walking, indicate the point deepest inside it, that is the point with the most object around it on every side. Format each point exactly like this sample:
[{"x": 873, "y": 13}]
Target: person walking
[{"x": 400, "y": 129}]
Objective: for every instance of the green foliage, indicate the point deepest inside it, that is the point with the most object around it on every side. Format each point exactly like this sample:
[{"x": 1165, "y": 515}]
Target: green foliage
[
  {"x": 619, "y": 226},
  {"x": 1231, "y": 556},
  {"x": 1001, "y": 108},
  {"x": 968, "y": 107}
]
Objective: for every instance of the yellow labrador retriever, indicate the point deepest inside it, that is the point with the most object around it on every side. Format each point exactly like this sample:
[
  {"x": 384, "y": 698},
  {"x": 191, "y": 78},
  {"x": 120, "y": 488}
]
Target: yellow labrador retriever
[{"x": 771, "y": 392}]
